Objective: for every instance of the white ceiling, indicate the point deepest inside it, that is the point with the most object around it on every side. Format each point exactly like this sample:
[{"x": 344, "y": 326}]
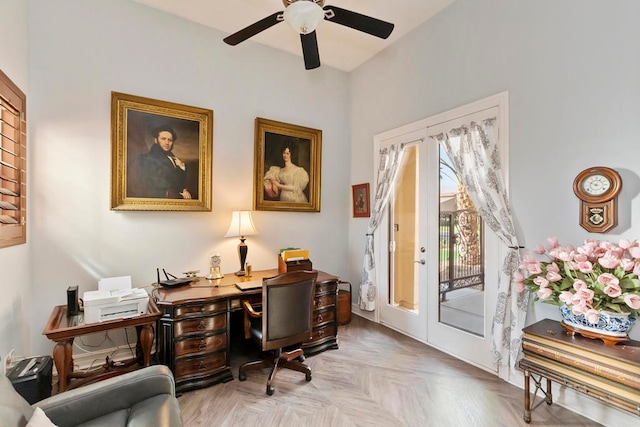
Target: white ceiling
[{"x": 340, "y": 47}]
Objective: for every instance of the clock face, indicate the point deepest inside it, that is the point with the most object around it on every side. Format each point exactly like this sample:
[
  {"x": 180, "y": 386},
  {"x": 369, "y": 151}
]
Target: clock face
[
  {"x": 215, "y": 261},
  {"x": 596, "y": 185}
]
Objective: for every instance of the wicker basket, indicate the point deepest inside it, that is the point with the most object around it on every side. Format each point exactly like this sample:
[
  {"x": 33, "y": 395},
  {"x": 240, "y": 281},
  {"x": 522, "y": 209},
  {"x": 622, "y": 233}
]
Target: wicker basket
[{"x": 344, "y": 304}]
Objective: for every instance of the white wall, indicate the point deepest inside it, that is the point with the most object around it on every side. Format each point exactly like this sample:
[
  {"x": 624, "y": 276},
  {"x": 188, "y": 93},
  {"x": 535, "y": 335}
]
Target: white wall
[
  {"x": 15, "y": 312},
  {"x": 80, "y": 52},
  {"x": 571, "y": 69}
]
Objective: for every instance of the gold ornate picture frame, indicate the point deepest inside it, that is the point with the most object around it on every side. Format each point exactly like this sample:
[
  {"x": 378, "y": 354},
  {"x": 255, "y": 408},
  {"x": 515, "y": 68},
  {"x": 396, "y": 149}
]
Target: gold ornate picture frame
[
  {"x": 161, "y": 155},
  {"x": 287, "y": 167}
]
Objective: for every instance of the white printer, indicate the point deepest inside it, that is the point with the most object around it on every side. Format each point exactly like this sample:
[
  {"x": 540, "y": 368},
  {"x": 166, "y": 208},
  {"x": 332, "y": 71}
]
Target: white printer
[{"x": 114, "y": 299}]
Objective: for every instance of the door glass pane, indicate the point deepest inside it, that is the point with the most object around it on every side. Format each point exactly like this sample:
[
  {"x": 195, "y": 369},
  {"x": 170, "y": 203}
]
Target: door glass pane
[
  {"x": 461, "y": 260},
  {"x": 404, "y": 281}
]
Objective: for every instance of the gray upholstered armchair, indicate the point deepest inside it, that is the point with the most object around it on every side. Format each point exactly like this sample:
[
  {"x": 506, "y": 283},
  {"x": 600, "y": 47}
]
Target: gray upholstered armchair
[{"x": 145, "y": 397}]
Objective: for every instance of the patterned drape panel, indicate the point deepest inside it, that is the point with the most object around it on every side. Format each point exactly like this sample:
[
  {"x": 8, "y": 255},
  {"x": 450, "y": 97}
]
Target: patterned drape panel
[
  {"x": 473, "y": 151},
  {"x": 390, "y": 158}
]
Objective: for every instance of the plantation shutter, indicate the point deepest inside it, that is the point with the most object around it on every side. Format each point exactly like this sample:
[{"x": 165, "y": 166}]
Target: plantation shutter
[{"x": 13, "y": 206}]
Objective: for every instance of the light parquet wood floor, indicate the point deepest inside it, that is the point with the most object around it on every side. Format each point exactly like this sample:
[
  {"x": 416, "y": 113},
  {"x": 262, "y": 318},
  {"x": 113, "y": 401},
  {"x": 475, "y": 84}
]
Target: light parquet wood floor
[{"x": 378, "y": 377}]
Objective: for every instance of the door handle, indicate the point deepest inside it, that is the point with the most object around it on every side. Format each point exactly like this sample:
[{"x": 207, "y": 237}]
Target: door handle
[{"x": 423, "y": 262}]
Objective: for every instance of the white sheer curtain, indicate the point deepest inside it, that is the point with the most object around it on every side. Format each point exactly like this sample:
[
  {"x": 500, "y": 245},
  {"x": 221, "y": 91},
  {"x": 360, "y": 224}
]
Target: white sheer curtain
[
  {"x": 473, "y": 151},
  {"x": 390, "y": 160}
]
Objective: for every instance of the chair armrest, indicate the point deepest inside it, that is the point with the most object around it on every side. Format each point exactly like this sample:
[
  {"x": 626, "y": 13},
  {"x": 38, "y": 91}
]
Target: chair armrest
[
  {"x": 113, "y": 394},
  {"x": 250, "y": 310}
]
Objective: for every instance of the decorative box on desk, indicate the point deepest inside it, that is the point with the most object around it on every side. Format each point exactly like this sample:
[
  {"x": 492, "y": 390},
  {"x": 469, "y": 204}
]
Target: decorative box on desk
[
  {"x": 610, "y": 373},
  {"x": 294, "y": 265}
]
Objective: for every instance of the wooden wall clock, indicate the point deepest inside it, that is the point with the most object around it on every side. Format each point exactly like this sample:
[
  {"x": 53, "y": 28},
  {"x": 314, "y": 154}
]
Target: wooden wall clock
[{"x": 598, "y": 189}]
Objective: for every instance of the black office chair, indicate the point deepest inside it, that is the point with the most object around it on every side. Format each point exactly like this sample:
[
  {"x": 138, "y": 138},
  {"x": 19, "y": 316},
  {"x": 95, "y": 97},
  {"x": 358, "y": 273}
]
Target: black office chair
[{"x": 285, "y": 321}]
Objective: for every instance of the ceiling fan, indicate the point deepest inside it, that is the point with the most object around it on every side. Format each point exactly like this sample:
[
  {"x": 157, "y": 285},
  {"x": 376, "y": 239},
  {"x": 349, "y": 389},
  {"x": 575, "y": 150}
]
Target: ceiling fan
[{"x": 304, "y": 16}]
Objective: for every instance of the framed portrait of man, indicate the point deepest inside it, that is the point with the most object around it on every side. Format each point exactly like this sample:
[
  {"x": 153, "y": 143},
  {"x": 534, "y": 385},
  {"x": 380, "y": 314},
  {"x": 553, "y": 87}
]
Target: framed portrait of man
[
  {"x": 287, "y": 167},
  {"x": 160, "y": 155}
]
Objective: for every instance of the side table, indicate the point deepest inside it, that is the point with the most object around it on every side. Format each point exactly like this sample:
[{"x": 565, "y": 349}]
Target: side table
[
  {"x": 63, "y": 330},
  {"x": 609, "y": 373}
]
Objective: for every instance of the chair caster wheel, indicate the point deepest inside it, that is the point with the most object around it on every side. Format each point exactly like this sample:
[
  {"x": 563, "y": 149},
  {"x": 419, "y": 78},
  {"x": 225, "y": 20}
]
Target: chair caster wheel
[
  {"x": 307, "y": 377},
  {"x": 301, "y": 358},
  {"x": 270, "y": 391},
  {"x": 242, "y": 376}
]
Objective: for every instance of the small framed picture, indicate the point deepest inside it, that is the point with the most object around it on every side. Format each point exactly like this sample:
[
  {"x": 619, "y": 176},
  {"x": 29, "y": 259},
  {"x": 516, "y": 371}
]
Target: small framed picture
[
  {"x": 287, "y": 167},
  {"x": 160, "y": 155},
  {"x": 361, "y": 200}
]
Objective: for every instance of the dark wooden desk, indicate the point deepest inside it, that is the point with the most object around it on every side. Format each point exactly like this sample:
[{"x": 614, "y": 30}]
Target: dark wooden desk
[
  {"x": 196, "y": 319},
  {"x": 610, "y": 373},
  {"x": 63, "y": 330}
]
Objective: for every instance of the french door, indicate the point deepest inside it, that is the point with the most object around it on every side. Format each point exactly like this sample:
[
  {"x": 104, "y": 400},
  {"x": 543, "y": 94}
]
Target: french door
[
  {"x": 403, "y": 273},
  {"x": 438, "y": 278}
]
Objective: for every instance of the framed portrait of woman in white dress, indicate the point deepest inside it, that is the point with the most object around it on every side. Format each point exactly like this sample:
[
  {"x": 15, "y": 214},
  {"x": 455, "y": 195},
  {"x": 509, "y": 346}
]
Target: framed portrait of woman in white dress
[{"x": 287, "y": 167}]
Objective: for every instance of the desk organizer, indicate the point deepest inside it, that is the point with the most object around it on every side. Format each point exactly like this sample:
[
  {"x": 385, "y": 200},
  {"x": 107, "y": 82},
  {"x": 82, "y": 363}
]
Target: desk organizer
[{"x": 287, "y": 266}]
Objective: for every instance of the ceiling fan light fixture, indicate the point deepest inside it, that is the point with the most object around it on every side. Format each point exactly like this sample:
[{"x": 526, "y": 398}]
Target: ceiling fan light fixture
[{"x": 304, "y": 16}]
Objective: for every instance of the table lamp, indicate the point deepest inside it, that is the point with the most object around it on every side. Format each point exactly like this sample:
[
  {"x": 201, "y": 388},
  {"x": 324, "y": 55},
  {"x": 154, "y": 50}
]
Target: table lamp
[{"x": 241, "y": 226}]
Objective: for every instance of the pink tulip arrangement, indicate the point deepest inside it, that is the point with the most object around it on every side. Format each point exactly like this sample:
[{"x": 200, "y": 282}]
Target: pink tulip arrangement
[{"x": 597, "y": 276}]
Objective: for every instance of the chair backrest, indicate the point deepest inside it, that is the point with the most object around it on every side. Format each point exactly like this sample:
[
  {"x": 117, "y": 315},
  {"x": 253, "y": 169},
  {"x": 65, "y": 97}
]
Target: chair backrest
[{"x": 287, "y": 307}]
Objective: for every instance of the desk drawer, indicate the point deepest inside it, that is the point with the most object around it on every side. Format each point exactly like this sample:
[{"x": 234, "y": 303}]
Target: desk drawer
[
  {"x": 200, "y": 345},
  {"x": 326, "y": 287},
  {"x": 323, "y": 316},
  {"x": 191, "y": 310},
  {"x": 200, "y": 365},
  {"x": 210, "y": 324},
  {"x": 327, "y": 331},
  {"x": 325, "y": 301}
]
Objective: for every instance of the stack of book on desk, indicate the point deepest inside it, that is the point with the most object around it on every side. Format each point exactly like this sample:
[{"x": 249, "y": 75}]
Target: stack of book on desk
[{"x": 608, "y": 372}]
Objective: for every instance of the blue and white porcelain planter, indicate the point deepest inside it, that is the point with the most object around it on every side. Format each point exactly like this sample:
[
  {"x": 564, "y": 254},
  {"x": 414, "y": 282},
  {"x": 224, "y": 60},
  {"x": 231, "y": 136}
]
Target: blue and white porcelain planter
[{"x": 610, "y": 323}]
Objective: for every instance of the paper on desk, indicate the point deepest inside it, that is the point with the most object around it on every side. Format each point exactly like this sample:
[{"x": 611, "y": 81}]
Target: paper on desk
[
  {"x": 115, "y": 283},
  {"x": 294, "y": 255}
]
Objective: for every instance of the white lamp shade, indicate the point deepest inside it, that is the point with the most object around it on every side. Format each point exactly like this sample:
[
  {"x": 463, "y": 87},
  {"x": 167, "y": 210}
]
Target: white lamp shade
[
  {"x": 304, "y": 16},
  {"x": 241, "y": 225}
]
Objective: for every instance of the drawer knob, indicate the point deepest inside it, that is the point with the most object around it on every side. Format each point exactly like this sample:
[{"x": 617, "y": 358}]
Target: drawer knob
[
  {"x": 202, "y": 365},
  {"x": 320, "y": 318},
  {"x": 321, "y": 333},
  {"x": 203, "y": 345},
  {"x": 201, "y": 326}
]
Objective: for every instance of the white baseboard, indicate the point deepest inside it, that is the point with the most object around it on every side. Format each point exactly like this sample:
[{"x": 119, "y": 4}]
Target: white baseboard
[
  {"x": 369, "y": 315},
  {"x": 96, "y": 358},
  {"x": 86, "y": 361},
  {"x": 587, "y": 406}
]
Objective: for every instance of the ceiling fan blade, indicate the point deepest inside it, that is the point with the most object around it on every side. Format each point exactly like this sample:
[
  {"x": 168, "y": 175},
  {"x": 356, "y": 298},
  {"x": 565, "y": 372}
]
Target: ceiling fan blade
[
  {"x": 359, "y": 22},
  {"x": 310, "y": 50},
  {"x": 253, "y": 29}
]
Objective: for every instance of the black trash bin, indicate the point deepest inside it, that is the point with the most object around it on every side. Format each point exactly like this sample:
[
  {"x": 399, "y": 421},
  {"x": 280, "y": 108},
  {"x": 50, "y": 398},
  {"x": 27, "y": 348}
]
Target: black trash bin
[{"x": 31, "y": 378}]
